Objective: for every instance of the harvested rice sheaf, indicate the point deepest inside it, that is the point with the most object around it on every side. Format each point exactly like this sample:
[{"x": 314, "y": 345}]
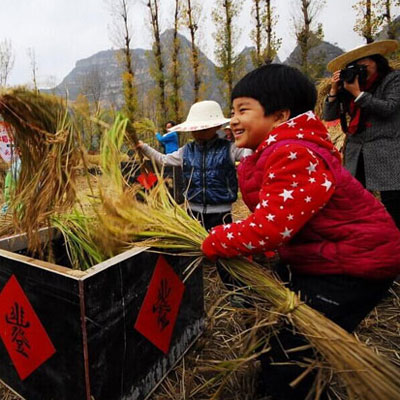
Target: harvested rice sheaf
[{"x": 44, "y": 134}]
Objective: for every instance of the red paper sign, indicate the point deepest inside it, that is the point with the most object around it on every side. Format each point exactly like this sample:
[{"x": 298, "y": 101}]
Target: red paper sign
[
  {"x": 157, "y": 316},
  {"x": 147, "y": 180},
  {"x": 23, "y": 334}
]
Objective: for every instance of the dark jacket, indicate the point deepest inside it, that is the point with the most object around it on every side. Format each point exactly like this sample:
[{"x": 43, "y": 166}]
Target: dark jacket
[
  {"x": 379, "y": 141},
  {"x": 210, "y": 173}
]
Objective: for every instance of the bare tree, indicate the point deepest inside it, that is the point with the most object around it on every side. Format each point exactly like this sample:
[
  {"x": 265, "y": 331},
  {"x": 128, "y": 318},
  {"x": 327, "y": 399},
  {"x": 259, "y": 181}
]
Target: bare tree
[
  {"x": 367, "y": 22},
  {"x": 193, "y": 16},
  {"x": 263, "y": 32},
  {"x": 385, "y": 10},
  {"x": 158, "y": 73},
  {"x": 257, "y": 34},
  {"x": 224, "y": 15},
  {"x": 34, "y": 67},
  {"x": 6, "y": 61},
  {"x": 273, "y": 43},
  {"x": 92, "y": 86},
  {"x": 308, "y": 33},
  {"x": 122, "y": 36},
  {"x": 175, "y": 98},
  {"x": 50, "y": 81}
]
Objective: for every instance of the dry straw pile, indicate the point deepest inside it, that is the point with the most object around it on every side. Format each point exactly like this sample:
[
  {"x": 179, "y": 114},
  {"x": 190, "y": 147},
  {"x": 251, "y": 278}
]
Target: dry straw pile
[{"x": 45, "y": 137}]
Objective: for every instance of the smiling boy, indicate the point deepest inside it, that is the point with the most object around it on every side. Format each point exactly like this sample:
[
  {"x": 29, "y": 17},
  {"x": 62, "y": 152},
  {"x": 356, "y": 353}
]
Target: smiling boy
[{"x": 338, "y": 246}]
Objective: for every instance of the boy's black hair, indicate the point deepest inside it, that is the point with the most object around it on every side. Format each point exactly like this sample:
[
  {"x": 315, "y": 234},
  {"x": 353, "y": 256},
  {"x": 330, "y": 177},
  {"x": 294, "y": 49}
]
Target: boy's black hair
[
  {"x": 171, "y": 122},
  {"x": 278, "y": 87}
]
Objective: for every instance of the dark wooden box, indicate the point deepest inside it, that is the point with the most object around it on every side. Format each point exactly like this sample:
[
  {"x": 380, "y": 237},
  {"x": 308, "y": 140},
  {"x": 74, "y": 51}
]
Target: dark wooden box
[{"x": 88, "y": 347}]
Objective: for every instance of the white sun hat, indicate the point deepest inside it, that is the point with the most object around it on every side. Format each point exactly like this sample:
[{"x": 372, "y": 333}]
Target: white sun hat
[
  {"x": 382, "y": 47},
  {"x": 202, "y": 115}
]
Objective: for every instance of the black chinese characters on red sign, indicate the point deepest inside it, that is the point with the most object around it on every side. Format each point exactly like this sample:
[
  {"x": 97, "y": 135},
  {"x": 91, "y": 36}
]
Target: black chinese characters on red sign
[
  {"x": 21, "y": 331},
  {"x": 16, "y": 318},
  {"x": 159, "y": 311}
]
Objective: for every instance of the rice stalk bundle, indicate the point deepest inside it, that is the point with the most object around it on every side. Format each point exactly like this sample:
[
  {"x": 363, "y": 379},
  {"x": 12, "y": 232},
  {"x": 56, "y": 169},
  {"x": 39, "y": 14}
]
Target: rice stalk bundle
[
  {"x": 323, "y": 87},
  {"x": 7, "y": 227},
  {"x": 45, "y": 137},
  {"x": 80, "y": 243},
  {"x": 338, "y": 137}
]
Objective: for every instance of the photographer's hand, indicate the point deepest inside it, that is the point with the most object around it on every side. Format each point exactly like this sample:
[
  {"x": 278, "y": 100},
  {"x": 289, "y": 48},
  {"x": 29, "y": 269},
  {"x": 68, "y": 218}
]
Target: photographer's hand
[
  {"x": 353, "y": 87},
  {"x": 335, "y": 86}
]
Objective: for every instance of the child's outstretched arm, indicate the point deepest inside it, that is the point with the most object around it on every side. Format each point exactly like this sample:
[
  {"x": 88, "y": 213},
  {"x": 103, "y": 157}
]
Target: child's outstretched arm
[
  {"x": 296, "y": 185},
  {"x": 174, "y": 159}
]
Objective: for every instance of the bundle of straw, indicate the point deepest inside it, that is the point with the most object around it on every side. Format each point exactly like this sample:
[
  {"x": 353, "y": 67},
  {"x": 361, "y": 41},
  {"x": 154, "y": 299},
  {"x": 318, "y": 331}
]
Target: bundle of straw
[
  {"x": 45, "y": 138},
  {"x": 323, "y": 88},
  {"x": 80, "y": 243}
]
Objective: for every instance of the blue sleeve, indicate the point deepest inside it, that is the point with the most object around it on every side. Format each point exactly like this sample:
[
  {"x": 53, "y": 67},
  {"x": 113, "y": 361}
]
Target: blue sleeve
[{"x": 159, "y": 137}]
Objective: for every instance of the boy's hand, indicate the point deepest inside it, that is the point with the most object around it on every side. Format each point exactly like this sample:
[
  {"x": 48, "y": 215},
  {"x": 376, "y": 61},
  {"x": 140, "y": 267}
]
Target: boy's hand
[
  {"x": 139, "y": 144},
  {"x": 208, "y": 251}
]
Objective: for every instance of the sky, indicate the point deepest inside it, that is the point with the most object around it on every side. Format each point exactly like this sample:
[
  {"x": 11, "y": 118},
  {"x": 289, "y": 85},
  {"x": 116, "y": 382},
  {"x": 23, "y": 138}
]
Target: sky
[{"x": 61, "y": 32}]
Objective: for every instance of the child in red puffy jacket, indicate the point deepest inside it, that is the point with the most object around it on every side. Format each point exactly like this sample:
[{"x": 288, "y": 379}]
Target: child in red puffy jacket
[{"x": 338, "y": 246}]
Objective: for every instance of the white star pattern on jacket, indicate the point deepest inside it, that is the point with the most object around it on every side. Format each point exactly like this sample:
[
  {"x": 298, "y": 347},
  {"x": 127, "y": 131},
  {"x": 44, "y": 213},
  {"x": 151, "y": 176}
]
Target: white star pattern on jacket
[
  {"x": 286, "y": 204},
  {"x": 286, "y": 194},
  {"x": 286, "y": 233},
  {"x": 311, "y": 168},
  {"x": 327, "y": 184},
  {"x": 271, "y": 139},
  {"x": 310, "y": 115}
]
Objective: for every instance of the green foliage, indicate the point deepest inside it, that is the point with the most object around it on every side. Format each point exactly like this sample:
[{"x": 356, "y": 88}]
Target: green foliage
[
  {"x": 193, "y": 11},
  {"x": 157, "y": 69},
  {"x": 368, "y": 21},
  {"x": 174, "y": 98},
  {"x": 230, "y": 64},
  {"x": 263, "y": 36},
  {"x": 130, "y": 96},
  {"x": 309, "y": 35}
]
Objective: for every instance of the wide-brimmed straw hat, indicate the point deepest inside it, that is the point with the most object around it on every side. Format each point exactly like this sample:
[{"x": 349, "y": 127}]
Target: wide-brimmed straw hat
[
  {"x": 202, "y": 115},
  {"x": 381, "y": 47}
]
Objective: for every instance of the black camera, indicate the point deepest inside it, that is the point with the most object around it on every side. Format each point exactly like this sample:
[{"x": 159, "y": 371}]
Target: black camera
[{"x": 349, "y": 73}]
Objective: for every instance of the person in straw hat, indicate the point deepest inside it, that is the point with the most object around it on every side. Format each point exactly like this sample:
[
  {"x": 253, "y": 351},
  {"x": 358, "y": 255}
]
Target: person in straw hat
[
  {"x": 338, "y": 246},
  {"x": 370, "y": 100},
  {"x": 208, "y": 164},
  {"x": 228, "y": 133}
]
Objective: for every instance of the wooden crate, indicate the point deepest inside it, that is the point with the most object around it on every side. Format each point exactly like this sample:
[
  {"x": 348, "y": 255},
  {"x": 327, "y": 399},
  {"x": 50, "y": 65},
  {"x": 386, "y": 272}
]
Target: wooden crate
[{"x": 105, "y": 333}]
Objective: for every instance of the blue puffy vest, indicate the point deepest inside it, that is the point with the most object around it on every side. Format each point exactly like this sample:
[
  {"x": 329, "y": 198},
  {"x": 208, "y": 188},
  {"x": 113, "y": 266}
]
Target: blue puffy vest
[{"x": 209, "y": 173}]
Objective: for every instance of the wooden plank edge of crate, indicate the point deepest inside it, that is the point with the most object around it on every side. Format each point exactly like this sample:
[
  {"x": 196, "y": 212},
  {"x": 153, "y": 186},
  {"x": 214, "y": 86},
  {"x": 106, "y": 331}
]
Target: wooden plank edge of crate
[
  {"x": 12, "y": 390},
  {"x": 58, "y": 269},
  {"x": 72, "y": 273}
]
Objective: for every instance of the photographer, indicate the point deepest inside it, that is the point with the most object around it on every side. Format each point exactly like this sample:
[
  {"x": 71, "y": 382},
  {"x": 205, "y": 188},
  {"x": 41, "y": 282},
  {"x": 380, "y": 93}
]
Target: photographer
[{"x": 365, "y": 94}]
